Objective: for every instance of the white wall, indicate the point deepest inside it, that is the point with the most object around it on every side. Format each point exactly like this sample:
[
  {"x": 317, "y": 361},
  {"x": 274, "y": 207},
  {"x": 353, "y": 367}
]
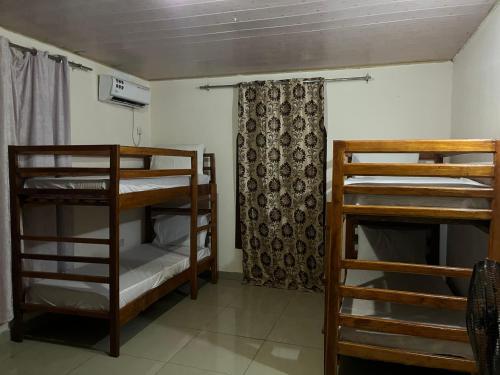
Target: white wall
[
  {"x": 476, "y": 83},
  {"x": 475, "y": 114},
  {"x": 406, "y": 101},
  {"x": 93, "y": 122}
]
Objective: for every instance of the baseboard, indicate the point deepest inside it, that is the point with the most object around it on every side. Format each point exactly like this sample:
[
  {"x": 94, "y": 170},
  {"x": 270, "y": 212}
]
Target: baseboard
[
  {"x": 4, "y": 328},
  {"x": 231, "y": 275}
]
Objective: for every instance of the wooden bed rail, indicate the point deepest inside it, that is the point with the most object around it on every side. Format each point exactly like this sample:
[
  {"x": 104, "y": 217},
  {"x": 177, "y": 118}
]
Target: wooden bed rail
[{"x": 443, "y": 147}]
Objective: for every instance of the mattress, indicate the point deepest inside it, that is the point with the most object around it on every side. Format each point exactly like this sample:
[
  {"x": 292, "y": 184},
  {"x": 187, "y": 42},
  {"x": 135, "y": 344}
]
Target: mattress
[
  {"x": 141, "y": 269},
  {"x": 126, "y": 185},
  {"x": 408, "y": 247},
  {"x": 397, "y": 200}
]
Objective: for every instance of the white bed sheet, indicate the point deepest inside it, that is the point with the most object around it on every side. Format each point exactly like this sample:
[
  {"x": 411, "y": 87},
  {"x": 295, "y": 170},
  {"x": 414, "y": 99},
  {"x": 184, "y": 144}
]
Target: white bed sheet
[
  {"x": 141, "y": 269},
  {"x": 403, "y": 246},
  {"x": 126, "y": 185},
  {"x": 396, "y": 200}
]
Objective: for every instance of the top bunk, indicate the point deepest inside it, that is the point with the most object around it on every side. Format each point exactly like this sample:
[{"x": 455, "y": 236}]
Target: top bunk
[
  {"x": 416, "y": 180},
  {"x": 130, "y": 176}
]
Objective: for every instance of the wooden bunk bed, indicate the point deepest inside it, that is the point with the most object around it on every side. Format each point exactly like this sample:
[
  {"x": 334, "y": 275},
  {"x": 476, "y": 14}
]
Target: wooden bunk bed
[
  {"x": 112, "y": 194},
  {"x": 342, "y": 257}
]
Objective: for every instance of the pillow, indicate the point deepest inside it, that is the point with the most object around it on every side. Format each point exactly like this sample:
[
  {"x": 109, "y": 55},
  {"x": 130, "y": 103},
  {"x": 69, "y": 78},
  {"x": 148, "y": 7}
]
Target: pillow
[
  {"x": 385, "y": 158},
  {"x": 177, "y": 162},
  {"x": 174, "y": 230}
]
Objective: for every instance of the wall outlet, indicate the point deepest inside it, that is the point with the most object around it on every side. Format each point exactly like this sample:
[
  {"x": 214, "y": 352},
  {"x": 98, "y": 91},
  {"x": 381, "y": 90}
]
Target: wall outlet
[
  {"x": 122, "y": 243},
  {"x": 139, "y": 131}
]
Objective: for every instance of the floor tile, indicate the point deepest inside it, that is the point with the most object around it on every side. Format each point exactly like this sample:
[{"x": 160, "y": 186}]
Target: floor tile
[
  {"x": 158, "y": 342},
  {"x": 306, "y": 305},
  {"x": 217, "y": 352},
  {"x": 280, "y": 359},
  {"x": 241, "y": 322},
  {"x": 298, "y": 331},
  {"x": 102, "y": 364},
  {"x": 262, "y": 300},
  {"x": 217, "y": 295},
  {"x": 9, "y": 348},
  {"x": 173, "y": 369},
  {"x": 189, "y": 314},
  {"x": 44, "y": 359}
]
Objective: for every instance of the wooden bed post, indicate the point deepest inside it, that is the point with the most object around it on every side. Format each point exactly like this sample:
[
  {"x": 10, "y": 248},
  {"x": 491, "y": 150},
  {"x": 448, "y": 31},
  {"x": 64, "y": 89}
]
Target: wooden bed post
[
  {"x": 214, "y": 267},
  {"x": 494, "y": 244},
  {"x": 148, "y": 222},
  {"x": 16, "y": 330},
  {"x": 193, "y": 244},
  {"x": 335, "y": 256},
  {"x": 114, "y": 251}
]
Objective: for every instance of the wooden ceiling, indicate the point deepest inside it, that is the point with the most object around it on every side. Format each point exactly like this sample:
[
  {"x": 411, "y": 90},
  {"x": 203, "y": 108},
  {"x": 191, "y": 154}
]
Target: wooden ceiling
[{"x": 161, "y": 39}]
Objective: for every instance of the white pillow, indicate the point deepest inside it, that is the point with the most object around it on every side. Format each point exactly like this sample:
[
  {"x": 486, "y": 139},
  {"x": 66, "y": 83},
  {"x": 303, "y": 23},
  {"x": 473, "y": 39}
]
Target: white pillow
[
  {"x": 174, "y": 230},
  {"x": 385, "y": 158},
  {"x": 178, "y": 162}
]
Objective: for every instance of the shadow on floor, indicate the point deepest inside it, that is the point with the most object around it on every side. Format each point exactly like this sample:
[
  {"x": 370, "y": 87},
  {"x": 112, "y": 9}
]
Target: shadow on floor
[{"x": 92, "y": 333}]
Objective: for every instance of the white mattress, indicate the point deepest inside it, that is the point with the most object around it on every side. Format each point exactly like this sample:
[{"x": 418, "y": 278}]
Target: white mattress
[
  {"x": 141, "y": 269},
  {"x": 126, "y": 185},
  {"x": 402, "y": 246},
  {"x": 396, "y": 200}
]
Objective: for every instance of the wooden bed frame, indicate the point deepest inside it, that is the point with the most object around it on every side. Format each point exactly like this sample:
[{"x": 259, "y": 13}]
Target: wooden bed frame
[
  {"x": 337, "y": 263},
  {"x": 21, "y": 196}
]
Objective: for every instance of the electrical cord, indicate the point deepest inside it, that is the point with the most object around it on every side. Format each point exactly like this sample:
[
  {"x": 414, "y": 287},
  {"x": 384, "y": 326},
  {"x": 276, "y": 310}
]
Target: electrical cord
[{"x": 133, "y": 130}]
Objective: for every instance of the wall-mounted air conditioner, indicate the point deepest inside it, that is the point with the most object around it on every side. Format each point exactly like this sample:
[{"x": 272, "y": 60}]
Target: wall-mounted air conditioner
[{"x": 118, "y": 91}]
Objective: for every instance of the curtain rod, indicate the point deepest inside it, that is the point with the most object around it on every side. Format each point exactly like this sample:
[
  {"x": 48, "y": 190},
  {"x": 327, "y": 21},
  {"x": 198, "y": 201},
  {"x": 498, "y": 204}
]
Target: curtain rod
[
  {"x": 367, "y": 78},
  {"x": 57, "y": 58}
]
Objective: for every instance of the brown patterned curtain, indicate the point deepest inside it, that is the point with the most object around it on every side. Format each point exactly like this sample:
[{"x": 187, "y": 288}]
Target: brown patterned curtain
[{"x": 281, "y": 182}]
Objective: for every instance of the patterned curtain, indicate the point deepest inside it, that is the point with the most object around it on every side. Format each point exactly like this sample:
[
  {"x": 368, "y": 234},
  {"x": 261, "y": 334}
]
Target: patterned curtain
[{"x": 281, "y": 177}]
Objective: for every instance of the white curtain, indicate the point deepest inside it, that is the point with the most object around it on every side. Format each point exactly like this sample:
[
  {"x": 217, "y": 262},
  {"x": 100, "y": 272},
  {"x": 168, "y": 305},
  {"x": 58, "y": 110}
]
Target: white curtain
[{"x": 34, "y": 110}]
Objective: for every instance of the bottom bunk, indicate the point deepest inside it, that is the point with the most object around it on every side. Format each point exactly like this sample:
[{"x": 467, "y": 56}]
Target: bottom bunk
[
  {"x": 142, "y": 269},
  {"x": 400, "y": 246}
]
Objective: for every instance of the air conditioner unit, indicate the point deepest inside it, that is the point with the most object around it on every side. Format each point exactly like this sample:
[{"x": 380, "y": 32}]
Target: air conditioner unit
[{"x": 118, "y": 91}]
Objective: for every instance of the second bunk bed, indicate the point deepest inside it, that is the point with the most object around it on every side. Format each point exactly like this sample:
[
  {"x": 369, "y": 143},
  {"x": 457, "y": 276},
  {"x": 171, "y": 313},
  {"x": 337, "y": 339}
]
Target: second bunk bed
[
  {"x": 385, "y": 301},
  {"x": 118, "y": 286}
]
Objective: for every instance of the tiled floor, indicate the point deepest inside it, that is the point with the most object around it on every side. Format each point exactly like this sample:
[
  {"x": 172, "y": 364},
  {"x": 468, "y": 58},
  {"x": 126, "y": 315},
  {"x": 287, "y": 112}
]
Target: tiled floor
[{"x": 230, "y": 329}]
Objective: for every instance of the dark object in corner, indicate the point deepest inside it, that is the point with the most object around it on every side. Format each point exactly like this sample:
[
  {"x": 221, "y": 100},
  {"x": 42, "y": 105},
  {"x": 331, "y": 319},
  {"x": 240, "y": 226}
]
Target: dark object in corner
[{"x": 483, "y": 318}]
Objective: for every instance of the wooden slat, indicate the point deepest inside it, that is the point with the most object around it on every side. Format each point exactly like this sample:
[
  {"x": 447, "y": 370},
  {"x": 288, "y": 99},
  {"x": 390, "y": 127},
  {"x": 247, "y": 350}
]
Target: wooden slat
[
  {"x": 62, "y": 172},
  {"x": 33, "y": 307},
  {"x": 178, "y": 211},
  {"x": 96, "y": 241},
  {"x": 151, "y": 197},
  {"x": 447, "y": 146},
  {"x": 409, "y": 358},
  {"x": 203, "y": 228},
  {"x": 403, "y": 297},
  {"x": 494, "y": 230},
  {"x": 433, "y": 331},
  {"x": 66, "y": 258},
  {"x": 426, "y": 191},
  {"x": 66, "y": 193},
  {"x": 421, "y": 269},
  {"x": 154, "y": 173},
  {"x": 65, "y": 276},
  {"x": 130, "y": 151},
  {"x": 73, "y": 150},
  {"x": 418, "y": 212},
  {"x": 420, "y": 170}
]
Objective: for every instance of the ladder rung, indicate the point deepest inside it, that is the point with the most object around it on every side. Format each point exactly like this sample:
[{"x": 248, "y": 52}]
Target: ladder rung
[
  {"x": 66, "y": 258},
  {"x": 96, "y": 241},
  {"x": 65, "y": 276},
  {"x": 421, "y": 269},
  {"x": 406, "y": 298}
]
